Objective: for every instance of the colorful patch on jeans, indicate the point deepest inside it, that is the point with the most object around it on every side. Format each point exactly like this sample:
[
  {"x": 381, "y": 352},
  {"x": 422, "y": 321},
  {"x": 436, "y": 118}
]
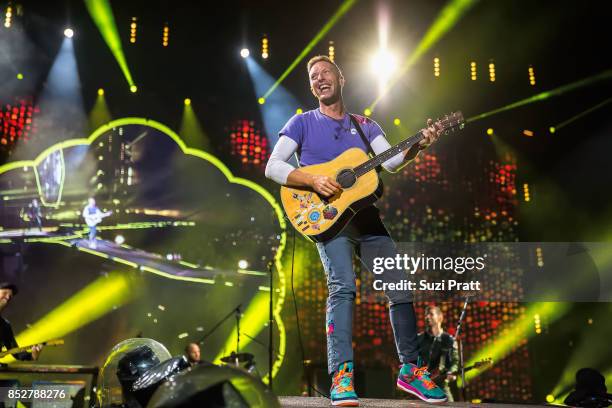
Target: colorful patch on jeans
[{"x": 330, "y": 328}]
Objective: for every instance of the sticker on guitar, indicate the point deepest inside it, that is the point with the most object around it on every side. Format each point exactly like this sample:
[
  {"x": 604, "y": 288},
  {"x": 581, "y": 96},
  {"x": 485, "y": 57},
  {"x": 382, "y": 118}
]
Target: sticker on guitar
[{"x": 311, "y": 214}]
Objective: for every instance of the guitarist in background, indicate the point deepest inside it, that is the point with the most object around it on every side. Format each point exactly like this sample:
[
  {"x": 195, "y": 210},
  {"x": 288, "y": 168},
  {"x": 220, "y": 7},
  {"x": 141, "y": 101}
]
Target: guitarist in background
[
  {"x": 7, "y": 338},
  {"x": 438, "y": 350},
  {"x": 318, "y": 136}
]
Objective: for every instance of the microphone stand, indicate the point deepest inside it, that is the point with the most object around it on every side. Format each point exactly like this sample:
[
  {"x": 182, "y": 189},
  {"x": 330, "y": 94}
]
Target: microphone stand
[
  {"x": 460, "y": 345},
  {"x": 271, "y": 326},
  {"x": 235, "y": 311}
]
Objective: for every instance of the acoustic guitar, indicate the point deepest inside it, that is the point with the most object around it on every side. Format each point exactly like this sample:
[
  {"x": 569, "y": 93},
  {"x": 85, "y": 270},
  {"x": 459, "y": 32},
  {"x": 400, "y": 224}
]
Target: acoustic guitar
[{"x": 321, "y": 218}]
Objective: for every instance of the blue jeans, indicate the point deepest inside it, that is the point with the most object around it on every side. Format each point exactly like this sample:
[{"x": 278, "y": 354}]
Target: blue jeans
[
  {"x": 92, "y": 233},
  {"x": 337, "y": 258}
]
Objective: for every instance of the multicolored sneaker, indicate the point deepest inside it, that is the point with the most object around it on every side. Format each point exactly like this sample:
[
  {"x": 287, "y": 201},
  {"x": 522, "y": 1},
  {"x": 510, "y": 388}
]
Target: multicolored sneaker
[
  {"x": 342, "y": 392},
  {"x": 415, "y": 380}
]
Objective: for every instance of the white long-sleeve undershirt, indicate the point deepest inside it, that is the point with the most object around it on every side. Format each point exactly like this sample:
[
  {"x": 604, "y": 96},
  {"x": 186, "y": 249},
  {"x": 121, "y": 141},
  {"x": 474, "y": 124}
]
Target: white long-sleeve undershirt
[{"x": 278, "y": 169}]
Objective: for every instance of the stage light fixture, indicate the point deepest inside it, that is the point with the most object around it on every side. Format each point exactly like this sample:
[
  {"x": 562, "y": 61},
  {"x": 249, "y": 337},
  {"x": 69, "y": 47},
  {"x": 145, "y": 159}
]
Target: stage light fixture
[
  {"x": 473, "y": 70},
  {"x": 69, "y": 33},
  {"x": 261, "y": 100},
  {"x": 244, "y": 53},
  {"x": 490, "y": 131},
  {"x": 265, "y": 51},
  {"x": 166, "y": 35},
  {"x": 133, "y": 27},
  {"x": 532, "y": 81},
  {"x": 367, "y": 111},
  {"x": 119, "y": 239},
  {"x": 436, "y": 67},
  {"x": 101, "y": 92},
  {"x": 187, "y": 101},
  {"x": 552, "y": 129},
  {"x": 243, "y": 264},
  {"x": 331, "y": 51},
  {"x": 396, "y": 121},
  {"x": 528, "y": 133},
  {"x": 550, "y": 398},
  {"x": 20, "y": 76},
  {"x": 491, "y": 71},
  {"x": 383, "y": 64},
  {"x": 133, "y": 88},
  {"x": 8, "y": 17},
  {"x": 526, "y": 195}
]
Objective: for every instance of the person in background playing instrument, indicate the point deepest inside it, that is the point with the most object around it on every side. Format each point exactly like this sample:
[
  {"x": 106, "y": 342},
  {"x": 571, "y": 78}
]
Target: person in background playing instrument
[
  {"x": 321, "y": 135},
  {"x": 192, "y": 351},
  {"x": 93, "y": 216},
  {"x": 7, "y": 338},
  {"x": 438, "y": 350}
]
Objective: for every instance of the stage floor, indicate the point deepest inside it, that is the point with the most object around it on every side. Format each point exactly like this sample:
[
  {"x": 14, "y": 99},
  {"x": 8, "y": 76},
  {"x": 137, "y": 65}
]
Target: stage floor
[{"x": 317, "y": 402}]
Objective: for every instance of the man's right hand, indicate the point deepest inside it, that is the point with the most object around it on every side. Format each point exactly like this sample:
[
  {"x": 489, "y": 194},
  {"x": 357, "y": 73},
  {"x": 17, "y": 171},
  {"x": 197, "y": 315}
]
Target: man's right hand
[{"x": 326, "y": 186}]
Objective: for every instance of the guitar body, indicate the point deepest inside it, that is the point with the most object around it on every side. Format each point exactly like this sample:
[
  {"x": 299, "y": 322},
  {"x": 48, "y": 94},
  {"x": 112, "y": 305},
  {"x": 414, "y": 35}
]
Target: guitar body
[
  {"x": 93, "y": 220},
  {"x": 322, "y": 218}
]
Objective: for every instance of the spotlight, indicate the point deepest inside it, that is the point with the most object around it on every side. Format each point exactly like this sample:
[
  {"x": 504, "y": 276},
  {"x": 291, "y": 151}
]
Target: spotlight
[
  {"x": 265, "y": 49},
  {"x": 133, "y": 27},
  {"x": 69, "y": 33},
  {"x": 101, "y": 92},
  {"x": 133, "y": 88},
  {"x": 299, "y": 110},
  {"x": 244, "y": 53},
  {"x": 243, "y": 264},
  {"x": 490, "y": 131},
  {"x": 331, "y": 51},
  {"x": 165, "y": 35},
  {"x": 119, "y": 239},
  {"x": 383, "y": 63},
  {"x": 169, "y": 257},
  {"x": 187, "y": 101},
  {"x": 473, "y": 70},
  {"x": 436, "y": 67},
  {"x": 550, "y": 398},
  {"x": 532, "y": 80},
  {"x": 552, "y": 129},
  {"x": 20, "y": 76},
  {"x": 396, "y": 121},
  {"x": 491, "y": 71},
  {"x": 261, "y": 100},
  {"x": 367, "y": 111}
]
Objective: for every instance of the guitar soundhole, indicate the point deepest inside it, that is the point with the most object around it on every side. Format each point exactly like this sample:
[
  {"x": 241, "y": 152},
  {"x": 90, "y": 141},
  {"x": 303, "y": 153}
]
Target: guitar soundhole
[{"x": 346, "y": 178}]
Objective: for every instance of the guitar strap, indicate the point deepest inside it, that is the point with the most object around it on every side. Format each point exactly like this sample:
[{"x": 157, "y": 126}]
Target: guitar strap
[{"x": 364, "y": 139}]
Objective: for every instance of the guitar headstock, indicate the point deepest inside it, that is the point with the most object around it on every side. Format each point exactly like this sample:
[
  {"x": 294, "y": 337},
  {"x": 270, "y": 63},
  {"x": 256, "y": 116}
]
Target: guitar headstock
[
  {"x": 483, "y": 363},
  {"x": 452, "y": 122}
]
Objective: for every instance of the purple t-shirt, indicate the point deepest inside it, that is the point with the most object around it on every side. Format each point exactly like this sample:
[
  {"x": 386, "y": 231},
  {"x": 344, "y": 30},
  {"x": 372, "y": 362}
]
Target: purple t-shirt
[{"x": 321, "y": 138}]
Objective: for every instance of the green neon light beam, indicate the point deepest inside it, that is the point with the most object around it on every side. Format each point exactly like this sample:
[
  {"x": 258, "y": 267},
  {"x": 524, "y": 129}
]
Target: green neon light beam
[
  {"x": 510, "y": 337},
  {"x": 581, "y": 114},
  {"x": 19, "y": 165},
  {"x": 102, "y": 15},
  {"x": 344, "y": 8},
  {"x": 546, "y": 95},
  {"x": 444, "y": 22}
]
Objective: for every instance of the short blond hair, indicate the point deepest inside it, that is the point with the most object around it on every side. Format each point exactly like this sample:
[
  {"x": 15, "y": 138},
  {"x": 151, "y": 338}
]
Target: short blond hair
[{"x": 319, "y": 58}]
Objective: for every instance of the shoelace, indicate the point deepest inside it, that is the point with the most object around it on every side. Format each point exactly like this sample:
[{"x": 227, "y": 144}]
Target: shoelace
[
  {"x": 343, "y": 381},
  {"x": 422, "y": 374}
]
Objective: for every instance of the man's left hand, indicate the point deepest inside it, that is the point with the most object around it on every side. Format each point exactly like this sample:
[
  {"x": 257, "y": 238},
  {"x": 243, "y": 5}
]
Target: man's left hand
[
  {"x": 431, "y": 133},
  {"x": 36, "y": 350}
]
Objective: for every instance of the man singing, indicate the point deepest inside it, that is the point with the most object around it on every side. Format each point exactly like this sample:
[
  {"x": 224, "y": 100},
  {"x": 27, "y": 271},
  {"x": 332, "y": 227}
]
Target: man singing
[{"x": 318, "y": 136}]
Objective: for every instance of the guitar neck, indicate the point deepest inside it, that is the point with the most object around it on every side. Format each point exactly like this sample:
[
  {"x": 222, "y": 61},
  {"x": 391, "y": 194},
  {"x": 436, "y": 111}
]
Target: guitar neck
[{"x": 379, "y": 159}]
